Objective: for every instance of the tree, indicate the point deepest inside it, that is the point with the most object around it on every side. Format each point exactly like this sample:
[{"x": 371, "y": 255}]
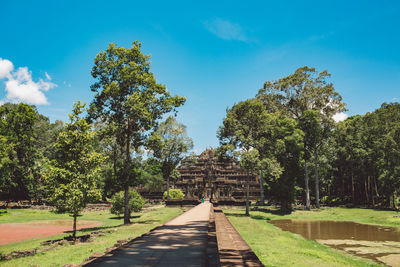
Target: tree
[
  {"x": 128, "y": 97},
  {"x": 312, "y": 129},
  {"x": 249, "y": 126},
  {"x": 174, "y": 194},
  {"x": 45, "y": 139},
  {"x": 7, "y": 164},
  {"x": 17, "y": 135},
  {"x": 250, "y": 162},
  {"x": 136, "y": 202},
  {"x": 71, "y": 177},
  {"x": 306, "y": 89},
  {"x": 170, "y": 144},
  {"x": 243, "y": 129}
]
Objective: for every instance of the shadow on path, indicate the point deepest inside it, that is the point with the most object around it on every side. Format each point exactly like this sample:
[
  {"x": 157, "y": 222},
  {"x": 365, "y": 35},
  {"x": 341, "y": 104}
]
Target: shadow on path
[{"x": 181, "y": 242}]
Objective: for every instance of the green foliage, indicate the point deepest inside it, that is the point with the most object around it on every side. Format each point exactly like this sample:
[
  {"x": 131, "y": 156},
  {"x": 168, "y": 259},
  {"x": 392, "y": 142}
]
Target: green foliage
[
  {"x": 305, "y": 89},
  {"x": 250, "y": 161},
  {"x": 174, "y": 194},
  {"x": 136, "y": 202},
  {"x": 307, "y": 97},
  {"x": 368, "y": 157},
  {"x": 18, "y": 150},
  {"x": 129, "y": 101},
  {"x": 170, "y": 144},
  {"x": 267, "y": 140},
  {"x": 71, "y": 177}
]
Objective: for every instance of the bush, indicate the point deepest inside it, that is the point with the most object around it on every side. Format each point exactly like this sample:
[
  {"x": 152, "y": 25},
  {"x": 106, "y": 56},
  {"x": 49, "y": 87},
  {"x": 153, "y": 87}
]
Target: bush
[
  {"x": 174, "y": 194},
  {"x": 136, "y": 202}
]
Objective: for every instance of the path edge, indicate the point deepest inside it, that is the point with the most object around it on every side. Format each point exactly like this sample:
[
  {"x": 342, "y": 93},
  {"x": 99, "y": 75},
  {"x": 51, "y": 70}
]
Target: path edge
[{"x": 247, "y": 255}]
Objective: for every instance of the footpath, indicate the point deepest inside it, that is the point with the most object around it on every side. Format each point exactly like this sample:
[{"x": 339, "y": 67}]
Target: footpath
[
  {"x": 188, "y": 240},
  {"x": 180, "y": 242}
]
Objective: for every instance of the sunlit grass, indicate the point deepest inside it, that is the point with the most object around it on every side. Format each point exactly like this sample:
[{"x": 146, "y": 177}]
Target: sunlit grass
[
  {"x": 275, "y": 247},
  {"x": 75, "y": 254}
]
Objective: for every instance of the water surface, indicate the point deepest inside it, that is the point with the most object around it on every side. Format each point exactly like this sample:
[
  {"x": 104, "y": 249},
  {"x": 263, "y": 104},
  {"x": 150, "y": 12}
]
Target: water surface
[
  {"x": 379, "y": 243},
  {"x": 338, "y": 230}
]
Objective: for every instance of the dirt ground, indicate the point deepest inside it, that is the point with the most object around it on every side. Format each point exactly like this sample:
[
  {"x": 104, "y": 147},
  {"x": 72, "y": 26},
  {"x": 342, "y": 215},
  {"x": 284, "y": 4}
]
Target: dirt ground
[{"x": 17, "y": 232}]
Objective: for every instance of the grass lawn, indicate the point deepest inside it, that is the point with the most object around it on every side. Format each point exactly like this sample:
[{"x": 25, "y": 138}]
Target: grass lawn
[
  {"x": 75, "y": 254},
  {"x": 275, "y": 247}
]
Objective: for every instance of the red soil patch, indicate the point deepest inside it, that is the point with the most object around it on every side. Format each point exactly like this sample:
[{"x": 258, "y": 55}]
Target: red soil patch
[{"x": 16, "y": 232}]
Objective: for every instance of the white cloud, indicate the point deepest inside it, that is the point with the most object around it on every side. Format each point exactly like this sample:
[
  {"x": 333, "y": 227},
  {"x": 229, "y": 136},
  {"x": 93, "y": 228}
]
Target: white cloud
[
  {"x": 21, "y": 88},
  {"x": 226, "y": 30},
  {"x": 47, "y": 76},
  {"x": 339, "y": 117},
  {"x": 6, "y": 67}
]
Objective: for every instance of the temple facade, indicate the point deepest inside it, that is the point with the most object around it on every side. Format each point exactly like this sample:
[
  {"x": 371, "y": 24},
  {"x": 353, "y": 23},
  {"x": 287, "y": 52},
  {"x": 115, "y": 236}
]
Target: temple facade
[{"x": 206, "y": 176}]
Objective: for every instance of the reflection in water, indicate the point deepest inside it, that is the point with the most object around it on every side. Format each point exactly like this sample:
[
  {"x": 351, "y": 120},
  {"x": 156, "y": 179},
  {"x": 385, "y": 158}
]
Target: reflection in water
[
  {"x": 379, "y": 243},
  {"x": 338, "y": 230}
]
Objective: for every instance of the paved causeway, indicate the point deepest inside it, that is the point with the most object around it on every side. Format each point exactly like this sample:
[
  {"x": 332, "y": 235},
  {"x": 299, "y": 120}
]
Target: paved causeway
[{"x": 180, "y": 242}]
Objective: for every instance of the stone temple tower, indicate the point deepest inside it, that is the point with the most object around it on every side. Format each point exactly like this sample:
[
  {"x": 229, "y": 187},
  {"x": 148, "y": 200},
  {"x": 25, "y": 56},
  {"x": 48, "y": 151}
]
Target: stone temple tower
[{"x": 220, "y": 181}]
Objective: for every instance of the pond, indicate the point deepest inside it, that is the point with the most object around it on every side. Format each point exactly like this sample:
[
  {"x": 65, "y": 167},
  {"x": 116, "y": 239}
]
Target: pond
[{"x": 379, "y": 243}]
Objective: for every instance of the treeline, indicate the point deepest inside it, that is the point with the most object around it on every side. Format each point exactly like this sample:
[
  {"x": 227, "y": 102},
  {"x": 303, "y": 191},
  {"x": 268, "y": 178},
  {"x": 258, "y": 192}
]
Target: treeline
[
  {"x": 28, "y": 141},
  {"x": 287, "y": 133},
  {"x": 362, "y": 159},
  {"x": 100, "y": 151}
]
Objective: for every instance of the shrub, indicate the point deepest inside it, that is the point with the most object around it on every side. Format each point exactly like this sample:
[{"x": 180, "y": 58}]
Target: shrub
[
  {"x": 136, "y": 202},
  {"x": 174, "y": 194}
]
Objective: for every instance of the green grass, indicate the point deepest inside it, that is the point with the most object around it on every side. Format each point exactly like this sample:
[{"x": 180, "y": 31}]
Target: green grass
[
  {"x": 275, "y": 247},
  {"x": 366, "y": 216},
  {"x": 76, "y": 254}
]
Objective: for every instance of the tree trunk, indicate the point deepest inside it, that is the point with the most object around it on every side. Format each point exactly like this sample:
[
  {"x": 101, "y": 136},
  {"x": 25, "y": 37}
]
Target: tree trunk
[
  {"x": 261, "y": 188},
  {"x": 393, "y": 200},
  {"x": 115, "y": 159},
  {"x": 74, "y": 227},
  {"x": 306, "y": 184},
  {"x": 167, "y": 187},
  {"x": 366, "y": 192},
  {"x": 372, "y": 192},
  {"x": 316, "y": 180},
  {"x": 353, "y": 193},
  {"x": 376, "y": 189},
  {"x": 247, "y": 197},
  {"x": 127, "y": 213}
]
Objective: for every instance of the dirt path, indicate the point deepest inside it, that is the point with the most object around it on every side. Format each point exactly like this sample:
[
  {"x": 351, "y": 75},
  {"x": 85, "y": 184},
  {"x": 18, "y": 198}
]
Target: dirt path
[
  {"x": 17, "y": 232},
  {"x": 180, "y": 242},
  {"x": 233, "y": 250}
]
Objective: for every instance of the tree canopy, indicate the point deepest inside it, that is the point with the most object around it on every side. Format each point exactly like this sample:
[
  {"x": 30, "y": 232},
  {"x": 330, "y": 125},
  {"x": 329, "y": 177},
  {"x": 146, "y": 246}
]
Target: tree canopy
[{"x": 128, "y": 97}]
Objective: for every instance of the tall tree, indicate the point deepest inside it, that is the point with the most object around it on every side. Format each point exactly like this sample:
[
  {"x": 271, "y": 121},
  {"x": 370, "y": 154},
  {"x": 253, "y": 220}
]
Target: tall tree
[
  {"x": 310, "y": 123},
  {"x": 129, "y": 97},
  {"x": 250, "y": 162},
  {"x": 71, "y": 177},
  {"x": 170, "y": 144},
  {"x": 249, "y": 126},
  {"x": 243, "y": 130},
  {"x": 306, "y": 89}
]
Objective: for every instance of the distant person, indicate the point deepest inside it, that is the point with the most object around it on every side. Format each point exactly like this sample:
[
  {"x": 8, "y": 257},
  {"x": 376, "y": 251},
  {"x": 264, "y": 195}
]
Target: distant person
[{"x": 202, "y": 200}]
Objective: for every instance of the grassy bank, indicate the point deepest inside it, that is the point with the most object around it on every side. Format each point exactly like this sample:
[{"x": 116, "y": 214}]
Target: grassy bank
[
  {"x": 75, "y": 254},
  {"x": 275, "y": 247},
  {"x": 366, "y": 216}
]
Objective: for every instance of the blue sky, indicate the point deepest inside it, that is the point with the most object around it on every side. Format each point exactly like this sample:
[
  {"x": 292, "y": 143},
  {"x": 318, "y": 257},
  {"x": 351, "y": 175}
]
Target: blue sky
[{"x": 215, "y": 53}]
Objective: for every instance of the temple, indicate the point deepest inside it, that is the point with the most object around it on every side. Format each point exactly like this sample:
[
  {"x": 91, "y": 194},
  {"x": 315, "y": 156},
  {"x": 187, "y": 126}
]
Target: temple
[{"x": 220, "y": 181}]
